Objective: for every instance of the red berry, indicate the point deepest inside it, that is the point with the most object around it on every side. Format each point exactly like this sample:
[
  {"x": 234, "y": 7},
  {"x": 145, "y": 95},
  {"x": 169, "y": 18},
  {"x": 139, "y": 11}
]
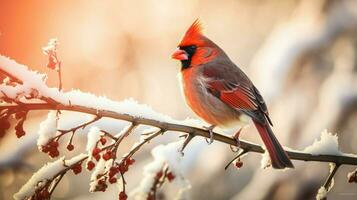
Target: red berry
[
  {"x": 102, "y": 186},
  {"x": 90, "y": 165},
  {"x": 20, "y": 133},
  {"x": 123, "y": 168},
  {"x": 239, "y": 164},
  {"x": 159, "y": 175},
  {"x": 103, "y": 140},
  {"x": 53, "y": 143},
  {"x": 96, "y": 151},
  {"x": 107, "y": 155},
  {"x": 113, "y": 171},
  {"x": 53, "y": 153},
  {"x": 45, "y": 149},
  {"x": 101, "y": 182},
  {"x": 122, "y": 196},
  {"x": 70, "y": 147},
  {"x": 129, "y": 161},
  {"x": 77, "y": 168},
  {"x": 19, "y": 129},
  {"x": 112, "y": 180},
  {"x": 170, "y": 176},
  {"x": 97, "y": 157}
]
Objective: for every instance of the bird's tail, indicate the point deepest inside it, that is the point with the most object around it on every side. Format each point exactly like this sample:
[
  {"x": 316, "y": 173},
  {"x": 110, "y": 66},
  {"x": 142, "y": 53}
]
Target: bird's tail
[{"x": 279, "y": 158}]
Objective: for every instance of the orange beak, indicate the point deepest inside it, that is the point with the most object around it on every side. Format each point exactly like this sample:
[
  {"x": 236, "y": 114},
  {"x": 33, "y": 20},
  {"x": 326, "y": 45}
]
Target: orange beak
[{"x": 179, "y": 55}]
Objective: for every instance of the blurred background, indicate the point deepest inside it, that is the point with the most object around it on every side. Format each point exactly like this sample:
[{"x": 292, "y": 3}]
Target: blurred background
[{"x": 302, "y": 55}]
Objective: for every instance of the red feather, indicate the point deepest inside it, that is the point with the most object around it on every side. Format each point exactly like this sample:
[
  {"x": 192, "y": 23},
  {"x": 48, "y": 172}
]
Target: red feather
[
  {"x": 193, "y": 35},
  {"x": 237, "y": 99}
]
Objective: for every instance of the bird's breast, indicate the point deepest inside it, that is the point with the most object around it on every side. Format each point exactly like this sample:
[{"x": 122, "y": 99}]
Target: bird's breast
[{"x": 208, "y": 107}]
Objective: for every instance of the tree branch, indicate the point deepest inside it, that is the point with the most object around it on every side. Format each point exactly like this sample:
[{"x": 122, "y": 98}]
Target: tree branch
[{"x": 249, "y": 147}]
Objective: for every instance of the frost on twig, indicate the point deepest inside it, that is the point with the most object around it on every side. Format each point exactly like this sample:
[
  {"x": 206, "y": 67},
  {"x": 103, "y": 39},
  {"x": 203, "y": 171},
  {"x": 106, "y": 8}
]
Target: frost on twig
[
  {"x": 166, "y": 166},
  {"x": 40, "y": 182},
  {"x": 329, "y": 183}
]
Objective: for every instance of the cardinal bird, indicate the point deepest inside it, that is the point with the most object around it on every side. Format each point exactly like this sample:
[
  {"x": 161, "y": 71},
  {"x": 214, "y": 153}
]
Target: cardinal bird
[{"x": 221, "y": 93}]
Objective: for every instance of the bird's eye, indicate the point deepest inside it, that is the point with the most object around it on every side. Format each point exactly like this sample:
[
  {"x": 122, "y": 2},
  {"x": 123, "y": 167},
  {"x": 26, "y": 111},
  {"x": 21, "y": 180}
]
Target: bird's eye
[{"x": 192, "y": 47}]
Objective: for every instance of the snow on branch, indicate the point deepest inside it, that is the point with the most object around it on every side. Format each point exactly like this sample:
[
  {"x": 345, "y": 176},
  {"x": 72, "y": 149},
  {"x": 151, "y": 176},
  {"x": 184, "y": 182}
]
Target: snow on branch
[
  {"x": 23, "y": 91},
  {"x": 42, "y": 179}
]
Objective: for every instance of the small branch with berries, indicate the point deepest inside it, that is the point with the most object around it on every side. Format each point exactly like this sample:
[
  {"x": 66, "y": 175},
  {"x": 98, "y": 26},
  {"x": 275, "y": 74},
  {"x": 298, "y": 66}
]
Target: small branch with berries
[{"x": 160, "y": 178}]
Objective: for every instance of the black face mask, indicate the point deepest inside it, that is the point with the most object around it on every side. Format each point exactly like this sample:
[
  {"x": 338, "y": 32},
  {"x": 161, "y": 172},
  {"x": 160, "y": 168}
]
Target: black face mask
[{"x": 190, "y": 50}]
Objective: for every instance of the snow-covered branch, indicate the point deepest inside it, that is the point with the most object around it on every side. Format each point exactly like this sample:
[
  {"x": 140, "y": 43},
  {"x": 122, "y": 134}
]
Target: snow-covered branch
[{"x": 24, "y": 91}]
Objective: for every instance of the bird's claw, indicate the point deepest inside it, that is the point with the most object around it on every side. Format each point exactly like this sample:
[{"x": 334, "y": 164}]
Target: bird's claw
[
  {"x": 237, "y": 146},
  {"x": 210, "y": 130},
  {"x": 236, "y": 138}
]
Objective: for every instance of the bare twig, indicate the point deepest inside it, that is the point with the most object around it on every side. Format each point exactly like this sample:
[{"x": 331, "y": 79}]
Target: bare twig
[
  {"x": 189, "y": 137},
  {"x": 59, "y": 76}
]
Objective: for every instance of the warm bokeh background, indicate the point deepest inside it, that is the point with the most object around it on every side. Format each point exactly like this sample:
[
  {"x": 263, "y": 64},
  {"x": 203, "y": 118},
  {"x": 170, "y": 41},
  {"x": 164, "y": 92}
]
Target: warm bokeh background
[{"x": 302, "y": 55}]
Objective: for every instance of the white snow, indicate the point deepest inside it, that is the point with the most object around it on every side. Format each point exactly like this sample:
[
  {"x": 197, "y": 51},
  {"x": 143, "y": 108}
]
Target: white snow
[
  {"x": 163, "y": 154},
  {"x": 43, "y": 175},
  {"x": 34, "y": 81},
  {"x": 100, "y": 168},
  {"x": 93, "y": 137},
  {"x": 48, "y": 129},
  {"x": 51, "y": 46},
  {"x": 327, "y": 145}
]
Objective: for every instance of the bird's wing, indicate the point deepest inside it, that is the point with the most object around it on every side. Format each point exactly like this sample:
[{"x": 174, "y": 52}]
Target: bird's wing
[{"x": 228, "y": 83}]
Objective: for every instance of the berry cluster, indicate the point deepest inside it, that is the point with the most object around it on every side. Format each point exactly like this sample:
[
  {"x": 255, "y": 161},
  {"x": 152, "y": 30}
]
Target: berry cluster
[
  {"x": 111, "y": 173},
  {"x": 5, "y": 123},
  {"x": 160, "y": 178},
  {"x": 77, "y": 168},
  {"x": 51, "y": 148},
  {"x": 101, "y": 184}
]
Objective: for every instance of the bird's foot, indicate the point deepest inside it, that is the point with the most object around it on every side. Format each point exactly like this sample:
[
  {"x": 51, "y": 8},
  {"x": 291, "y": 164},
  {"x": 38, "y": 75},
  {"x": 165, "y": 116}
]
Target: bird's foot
[
  {"x": 210, "y": 130},
  {"x": 236, "y": 138}
]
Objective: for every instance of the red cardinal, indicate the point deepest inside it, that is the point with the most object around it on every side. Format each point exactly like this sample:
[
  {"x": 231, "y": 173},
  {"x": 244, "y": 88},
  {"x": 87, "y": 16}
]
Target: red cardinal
[{"x": 220, "y": 93}]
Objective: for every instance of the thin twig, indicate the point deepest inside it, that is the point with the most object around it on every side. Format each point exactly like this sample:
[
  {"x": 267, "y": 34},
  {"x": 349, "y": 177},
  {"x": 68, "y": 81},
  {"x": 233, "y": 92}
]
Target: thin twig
[
  {"x": 244, "y": 151},
  {"x": 330, "y": 176},
  {"x": 189, "y": 137},
  {"x": 146, "y": 140},
  {"x": 59, "y": 76},
  {"x": 56, "y": 183}
]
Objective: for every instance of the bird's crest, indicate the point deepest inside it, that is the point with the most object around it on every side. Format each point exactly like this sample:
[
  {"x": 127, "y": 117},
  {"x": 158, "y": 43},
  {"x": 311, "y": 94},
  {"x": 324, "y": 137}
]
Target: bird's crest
[{"x": 192, "y": 35}]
